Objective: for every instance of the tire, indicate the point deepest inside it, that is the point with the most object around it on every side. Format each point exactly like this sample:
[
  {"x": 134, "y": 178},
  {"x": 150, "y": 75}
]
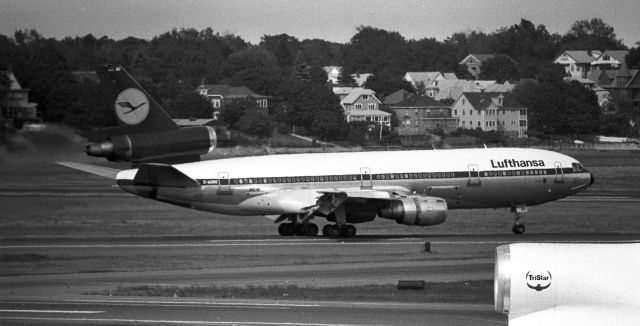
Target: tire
[
  {"x": 518, "y": 229},
  {"x": 287, "y": 229},
  {"x": 310, "y": 230},
  {"x": 349, "y": 230},
  {"x": 333, "y": 231}
]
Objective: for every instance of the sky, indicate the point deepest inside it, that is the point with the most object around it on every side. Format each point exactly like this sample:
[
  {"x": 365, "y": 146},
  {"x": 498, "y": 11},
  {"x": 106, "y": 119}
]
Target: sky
[{"x": 331, "y": 20}]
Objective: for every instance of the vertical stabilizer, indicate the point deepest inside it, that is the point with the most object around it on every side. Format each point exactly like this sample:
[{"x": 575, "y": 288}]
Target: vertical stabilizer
[{"x": 137, "y": 112}]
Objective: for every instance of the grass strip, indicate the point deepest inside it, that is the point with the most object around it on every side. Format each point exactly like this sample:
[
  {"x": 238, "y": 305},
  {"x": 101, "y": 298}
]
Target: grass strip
[{"x": 453, "y": 292}]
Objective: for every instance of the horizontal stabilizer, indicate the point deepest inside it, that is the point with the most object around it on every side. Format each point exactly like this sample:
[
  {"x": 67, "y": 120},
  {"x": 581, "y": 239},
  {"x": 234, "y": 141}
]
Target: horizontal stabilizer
[
  {"x": 162, "y": 175},
  {"x": 102, "y": 171}
]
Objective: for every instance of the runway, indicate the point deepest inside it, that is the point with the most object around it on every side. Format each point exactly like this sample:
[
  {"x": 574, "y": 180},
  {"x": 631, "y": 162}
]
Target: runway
[
  {"x": 61, "y": 291},
  {"x": 242, "y": 312}
]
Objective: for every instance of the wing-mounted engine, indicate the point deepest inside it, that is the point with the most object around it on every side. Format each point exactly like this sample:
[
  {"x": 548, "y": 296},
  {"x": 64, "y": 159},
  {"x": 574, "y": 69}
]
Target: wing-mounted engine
[{"x": 416, "y": 211}]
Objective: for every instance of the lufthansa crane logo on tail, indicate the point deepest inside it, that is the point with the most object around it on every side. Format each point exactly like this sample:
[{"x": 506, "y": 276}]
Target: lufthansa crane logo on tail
[
  {"x": 538, "y": 281},
  {"x": 132, "y": 106}
]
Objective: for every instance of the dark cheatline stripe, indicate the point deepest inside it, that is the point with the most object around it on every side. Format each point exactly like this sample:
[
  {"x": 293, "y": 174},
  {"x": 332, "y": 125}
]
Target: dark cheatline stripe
[{"x": 389, "y": 176}]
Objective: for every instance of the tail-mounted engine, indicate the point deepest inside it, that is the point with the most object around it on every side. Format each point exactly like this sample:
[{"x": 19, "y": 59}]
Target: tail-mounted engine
[
  {"x": 156, "y": 146},
  {"x": 416, "y": 211}
]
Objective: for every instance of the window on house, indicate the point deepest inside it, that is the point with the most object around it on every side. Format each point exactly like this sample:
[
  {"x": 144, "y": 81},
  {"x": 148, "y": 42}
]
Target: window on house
[
  {"x": 215, "y": 102},
  {"x": 455, "y": 112},
  {"x": 358, "y": 106},
  {"x": 262, "y": 103},
  {"x": 606, "y": 57},
  {"x": 479, "y": 125},
  {"x": 523, "y": 123},
  {"x": 470, "y": 61},
  {"x": 463, "y": 101},
  {"x": 372, "y": 106},
  {"x": 471, "y": 112},
  {"x": 365, "y": 97}
]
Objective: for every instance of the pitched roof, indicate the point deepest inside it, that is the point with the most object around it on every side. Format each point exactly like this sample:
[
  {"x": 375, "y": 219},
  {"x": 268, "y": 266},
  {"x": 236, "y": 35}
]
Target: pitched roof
[
  {"x": 418, "y": 101},
  {"x": 454, "y": 88},
  {"x": 619, "y": 55},
  {"x": 425, "y": 77},
  {"x": 396, "y": 97},
  {"x": 483, "y": 100},
  {"x": 450, "y": 76},
  {"x": 356, "y": 93},
  {"x": 583, "y": 56},
  {"x": 13, "y": 81},
  {"x": 361, "y": 78},
  {"x": 227, "y": 91}
]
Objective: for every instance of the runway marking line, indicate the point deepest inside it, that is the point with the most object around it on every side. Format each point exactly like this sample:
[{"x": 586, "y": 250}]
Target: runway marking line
[
  {"x": 274, "y": 244},
  {"x": 51, "y": 311},
  {"x": 172, "y": 303},
  {"x": 183, "y": 322}
]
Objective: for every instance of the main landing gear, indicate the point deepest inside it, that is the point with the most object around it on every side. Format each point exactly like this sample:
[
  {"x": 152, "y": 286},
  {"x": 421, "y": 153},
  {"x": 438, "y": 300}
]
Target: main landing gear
[
  {"x": 335, "y": 230},
  {"x": 293, "y": 228},
  {"x": 518, "y": 228}
]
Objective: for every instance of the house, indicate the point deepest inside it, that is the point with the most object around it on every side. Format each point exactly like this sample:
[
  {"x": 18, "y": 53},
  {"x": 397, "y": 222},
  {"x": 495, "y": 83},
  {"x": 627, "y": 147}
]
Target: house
[
  {"x": 220, "y": 96},
  {"x": 420, "y": 115},
  {"x": 427, "y": 80},
  {"x": 577, "y": 64},
  {"x": 609, "y": 59},
  {"x": 333, "y": 73},
  {"x": 621, "y": 82},
  {"x": 361, "y": 104},
  {"x": 16, "y": 105},
  {"x": 491, "y": 111},
  {"x": 474, "y": 61}
]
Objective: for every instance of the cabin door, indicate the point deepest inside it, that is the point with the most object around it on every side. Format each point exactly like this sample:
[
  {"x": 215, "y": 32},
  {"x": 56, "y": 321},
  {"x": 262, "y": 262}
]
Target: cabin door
[
  {"x": 224, "y": 182},
  {"x": 365, "y": 176},
  {"x": 474, "y": 175},
  {"x": 559, "y": 172}
]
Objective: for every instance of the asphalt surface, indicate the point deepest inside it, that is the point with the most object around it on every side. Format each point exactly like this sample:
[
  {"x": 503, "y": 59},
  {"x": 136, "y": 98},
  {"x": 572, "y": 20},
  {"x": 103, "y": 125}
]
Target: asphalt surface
[{"x": 80, "y": 297}]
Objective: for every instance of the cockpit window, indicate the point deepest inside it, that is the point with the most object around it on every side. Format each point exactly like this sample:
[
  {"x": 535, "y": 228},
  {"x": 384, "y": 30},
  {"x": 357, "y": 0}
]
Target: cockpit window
[{"x": 577, "y": 167}]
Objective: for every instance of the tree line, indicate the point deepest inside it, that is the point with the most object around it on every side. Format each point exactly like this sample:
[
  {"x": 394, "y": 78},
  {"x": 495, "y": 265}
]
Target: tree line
[{"x": 171, "y": 65}]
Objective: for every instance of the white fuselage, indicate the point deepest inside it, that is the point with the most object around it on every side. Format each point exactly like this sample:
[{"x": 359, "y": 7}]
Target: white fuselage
[{"x": 288, "y": 184}]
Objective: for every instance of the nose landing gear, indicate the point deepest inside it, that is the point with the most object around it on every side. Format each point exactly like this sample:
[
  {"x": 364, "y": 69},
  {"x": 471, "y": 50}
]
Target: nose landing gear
[{"x": 518, "y": 228}]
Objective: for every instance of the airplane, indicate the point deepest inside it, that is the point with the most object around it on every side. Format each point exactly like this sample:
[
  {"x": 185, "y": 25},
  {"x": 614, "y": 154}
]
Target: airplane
[{"x": 411, "y": 187}]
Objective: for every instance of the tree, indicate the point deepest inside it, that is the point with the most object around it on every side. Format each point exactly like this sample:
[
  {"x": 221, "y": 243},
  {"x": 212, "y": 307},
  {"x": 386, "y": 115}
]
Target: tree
[
  {"x": 633, "y": 57},
  {"x": 385, "y": 84},
  {"x": 254, "y": 68},
  {"x": 591, "y": 35},
  {"x": 500, "y": 68}
]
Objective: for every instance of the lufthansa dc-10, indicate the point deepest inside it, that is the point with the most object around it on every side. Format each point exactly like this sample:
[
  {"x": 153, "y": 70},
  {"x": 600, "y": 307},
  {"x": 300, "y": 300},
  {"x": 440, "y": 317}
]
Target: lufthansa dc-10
[{"x": 410, "y": 187}]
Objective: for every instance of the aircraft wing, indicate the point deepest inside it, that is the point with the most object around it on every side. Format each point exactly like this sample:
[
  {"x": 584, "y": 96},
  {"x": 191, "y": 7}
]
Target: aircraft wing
[
  {"x": 323, "y": 201},
  {"x": 102, "y": 171}
]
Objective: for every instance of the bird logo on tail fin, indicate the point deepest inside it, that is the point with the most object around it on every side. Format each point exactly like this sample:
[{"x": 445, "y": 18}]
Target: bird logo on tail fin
[{"x": 132, "y": 106}]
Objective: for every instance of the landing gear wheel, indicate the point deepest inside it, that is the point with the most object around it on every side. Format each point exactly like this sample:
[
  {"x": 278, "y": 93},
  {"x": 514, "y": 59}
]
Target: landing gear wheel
[
  {"x": 287, "y": 229},
  {"x": 518, "y": 229},
  {"x": 348, "y": 230},
  {"x": 331, "y": 230},
  {"x": 310, "y": 230}
]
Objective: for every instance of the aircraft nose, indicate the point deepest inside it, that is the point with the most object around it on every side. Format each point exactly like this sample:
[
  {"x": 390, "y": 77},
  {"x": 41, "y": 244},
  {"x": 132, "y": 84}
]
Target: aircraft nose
[{"x": 593, "y": 179}]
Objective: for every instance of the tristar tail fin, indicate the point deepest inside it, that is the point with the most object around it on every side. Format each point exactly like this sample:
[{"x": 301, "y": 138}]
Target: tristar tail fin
[{"x": 136, "y": 110}]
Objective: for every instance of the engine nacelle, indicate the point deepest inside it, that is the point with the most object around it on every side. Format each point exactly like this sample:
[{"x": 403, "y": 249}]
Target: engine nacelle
[
  {"x": 158, "y": 146},
  {"x": 416, "y": 211},
  {"x": 568, "y": 283}
]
